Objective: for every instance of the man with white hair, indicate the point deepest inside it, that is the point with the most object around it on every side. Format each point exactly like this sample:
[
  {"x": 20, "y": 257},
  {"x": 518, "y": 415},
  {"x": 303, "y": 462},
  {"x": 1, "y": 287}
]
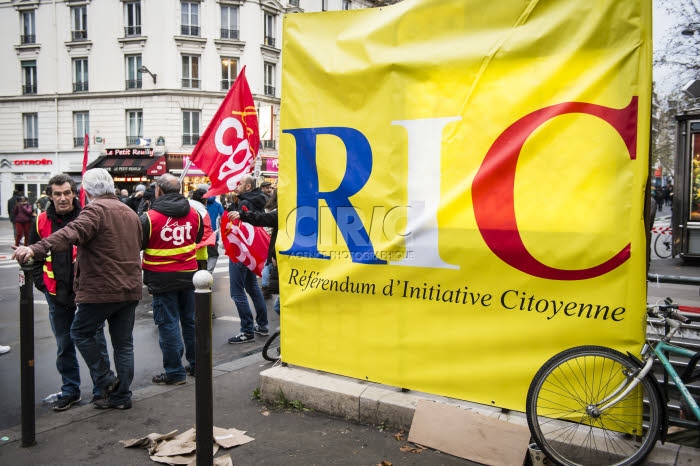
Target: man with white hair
[{"x": 107, "y": 282}]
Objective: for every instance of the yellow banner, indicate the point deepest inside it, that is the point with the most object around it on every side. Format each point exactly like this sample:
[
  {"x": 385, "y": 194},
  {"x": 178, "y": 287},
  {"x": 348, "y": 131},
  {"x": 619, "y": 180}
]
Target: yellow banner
[{"x": 461, "y": 189}]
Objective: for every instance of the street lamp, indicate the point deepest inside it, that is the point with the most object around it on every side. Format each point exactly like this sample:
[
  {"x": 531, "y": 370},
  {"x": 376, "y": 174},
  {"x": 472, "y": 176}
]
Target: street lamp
[{"x": 143, "y": 69}]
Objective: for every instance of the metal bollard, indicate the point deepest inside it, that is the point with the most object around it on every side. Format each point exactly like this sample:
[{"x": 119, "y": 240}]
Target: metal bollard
[
  {"x": 26, "y": 349},
  {"x": 204, "y": 405}
]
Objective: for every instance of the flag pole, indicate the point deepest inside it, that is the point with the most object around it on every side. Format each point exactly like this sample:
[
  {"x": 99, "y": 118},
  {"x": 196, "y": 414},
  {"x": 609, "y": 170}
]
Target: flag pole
[
  {"x": 85, "y": 159},
  {"x": 184, "y": 172}
]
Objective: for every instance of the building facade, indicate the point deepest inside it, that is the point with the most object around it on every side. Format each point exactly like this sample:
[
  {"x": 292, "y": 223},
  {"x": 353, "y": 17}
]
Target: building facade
[{"x": 141, "y": 78}]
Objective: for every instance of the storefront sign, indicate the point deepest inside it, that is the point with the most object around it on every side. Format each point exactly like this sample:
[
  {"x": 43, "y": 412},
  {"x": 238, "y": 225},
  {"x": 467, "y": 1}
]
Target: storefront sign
[
  {"x": 131, "y": 151},
  {"x": 4, "y": 163}
]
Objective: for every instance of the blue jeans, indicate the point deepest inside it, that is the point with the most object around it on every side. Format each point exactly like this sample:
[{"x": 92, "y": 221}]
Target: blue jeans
[
  {"x": 171, "y": 311},
  {"x": 277, "y": 304},
  {"x": 120, "y": 316},
  {"x": 266, "y": 273},
  {"x": 242, "y": 279},
  {"x": 61, "y": 319}
]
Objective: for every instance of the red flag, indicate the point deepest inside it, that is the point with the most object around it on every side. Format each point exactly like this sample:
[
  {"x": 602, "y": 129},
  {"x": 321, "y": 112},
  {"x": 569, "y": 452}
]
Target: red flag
[
  {"x": 85, "y": 158},
  {"x": 227, "y": 149},
  {"x": 245, "y": 243}
]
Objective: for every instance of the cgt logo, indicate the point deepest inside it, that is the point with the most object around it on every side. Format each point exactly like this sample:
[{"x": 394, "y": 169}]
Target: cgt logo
[
  {"x": 4, "y": 163},
  {"x": 175, "y": 233},
  {"x": 492, "y": 191}
]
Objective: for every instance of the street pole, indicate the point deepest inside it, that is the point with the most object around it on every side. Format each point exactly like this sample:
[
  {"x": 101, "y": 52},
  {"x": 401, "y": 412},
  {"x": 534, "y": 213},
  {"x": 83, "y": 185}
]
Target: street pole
[
  {"x": 204, "y": 406},
  {"x": 26, "y": 349}
]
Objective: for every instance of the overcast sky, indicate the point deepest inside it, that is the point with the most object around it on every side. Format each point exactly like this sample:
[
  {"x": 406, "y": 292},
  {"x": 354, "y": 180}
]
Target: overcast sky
[{"x": 664, "y": 24}]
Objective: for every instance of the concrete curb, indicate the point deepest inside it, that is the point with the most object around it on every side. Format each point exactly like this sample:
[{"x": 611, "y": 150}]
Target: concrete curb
[{"x": 372, "y": 403}]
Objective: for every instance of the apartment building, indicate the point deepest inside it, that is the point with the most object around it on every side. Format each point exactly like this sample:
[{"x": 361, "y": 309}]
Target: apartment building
[{"x": 141, "y": 78}]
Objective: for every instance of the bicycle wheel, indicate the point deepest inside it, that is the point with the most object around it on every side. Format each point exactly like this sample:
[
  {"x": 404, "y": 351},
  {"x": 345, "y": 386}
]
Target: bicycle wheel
[
  {"x": 562, "y": 409},
  {"x": 272, "y": 350},
  {"x": 662, "y": 245}
]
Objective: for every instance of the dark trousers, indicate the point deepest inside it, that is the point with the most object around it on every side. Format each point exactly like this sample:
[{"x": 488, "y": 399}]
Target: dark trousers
[{"x": 120, "y": 317}]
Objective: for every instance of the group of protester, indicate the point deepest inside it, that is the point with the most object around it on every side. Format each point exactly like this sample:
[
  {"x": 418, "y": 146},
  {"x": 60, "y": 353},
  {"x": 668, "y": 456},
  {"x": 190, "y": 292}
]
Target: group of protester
[{"x": 87, "y": 262}]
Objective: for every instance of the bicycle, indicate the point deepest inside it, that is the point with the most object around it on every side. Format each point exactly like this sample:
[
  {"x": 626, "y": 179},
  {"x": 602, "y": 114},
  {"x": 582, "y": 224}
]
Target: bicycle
[
  {"x": 272, "y": 351},
  {"x": 594, "y": 405},
  {"x": 663, "y": 242}
]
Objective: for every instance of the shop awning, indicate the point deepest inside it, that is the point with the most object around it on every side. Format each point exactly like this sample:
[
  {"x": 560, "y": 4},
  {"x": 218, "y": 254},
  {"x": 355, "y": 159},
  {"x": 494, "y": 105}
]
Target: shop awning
[{"x": 126, "y": 166}]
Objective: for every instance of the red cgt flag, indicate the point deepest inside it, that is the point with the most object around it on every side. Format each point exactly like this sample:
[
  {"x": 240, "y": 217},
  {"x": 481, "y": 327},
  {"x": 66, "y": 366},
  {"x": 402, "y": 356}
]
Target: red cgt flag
[
  {"x": 245, "y": 243},
  {"x": 227, "y": 149}
]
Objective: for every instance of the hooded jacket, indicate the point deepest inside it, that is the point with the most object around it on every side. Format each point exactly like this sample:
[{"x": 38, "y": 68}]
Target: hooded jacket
[
  {"x": 254, "y": 201},
  {"x": 62, "y": 262},
  {"x": 176, "y": 206}
]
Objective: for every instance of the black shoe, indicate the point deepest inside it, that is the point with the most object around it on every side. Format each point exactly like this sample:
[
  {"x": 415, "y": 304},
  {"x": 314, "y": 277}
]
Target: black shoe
[
  {"x": 106, "y": 403},
  {"x": 66, "y": 402},
  {"x": 242, "y": 338},
  {"x": 266, "y": 292},
  {"x": 262, "y": 331},
  {"x": 96, "y": 397},
  {"x": 190, "y": 370},
  {"x": 162, "y": 379}
]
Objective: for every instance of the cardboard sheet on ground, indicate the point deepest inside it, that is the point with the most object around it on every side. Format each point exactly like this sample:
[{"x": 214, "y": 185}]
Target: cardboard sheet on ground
[
  {"x": 468, "y": 434},
  {"x": 181, "y": 448}
]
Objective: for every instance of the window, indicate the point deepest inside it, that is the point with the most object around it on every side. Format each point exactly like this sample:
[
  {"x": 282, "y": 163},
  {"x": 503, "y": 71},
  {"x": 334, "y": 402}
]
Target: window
[
  {"x": 229, "y": 22},
  {"x": 81, "y": 127},
  {"x": 324, "y": 5},
  {"x": 79, "y": 22},
  {"x": 189, "y": 15},
  {"x": 80, "y": 74},
  {"x": 270, "y": 79},
  {"x": 229, "y": 71},
  {"x": 134, "y": 127},
  {"x": 190, "y": 127},
  {"x": 28, "y": 28},
  {"x": 133, "y": 75},
  {"x": 132, "y": 18},
  {"x": 269, "y": 29},
  {"x": 346, "y": 4},
  {"x": 294, "y": 2},
  {"x": 29, "y": 77},
  {"x": 190, "y": 71},
  {"x": 31, "y": 131}
]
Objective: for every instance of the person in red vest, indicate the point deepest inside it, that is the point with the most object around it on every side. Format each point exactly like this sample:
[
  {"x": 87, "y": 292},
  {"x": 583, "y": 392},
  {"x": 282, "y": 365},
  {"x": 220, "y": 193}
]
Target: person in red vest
[
  {"x": 107, "y": 282},
  {"x": 53, "y": 276},
  {"x": 171, "y": 231}
]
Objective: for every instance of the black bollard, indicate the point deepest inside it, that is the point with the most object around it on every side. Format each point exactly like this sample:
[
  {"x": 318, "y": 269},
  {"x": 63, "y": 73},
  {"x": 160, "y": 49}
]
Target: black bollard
[
  {"x": 204, "y": 405},
  {"x": 26, "y": 350}
]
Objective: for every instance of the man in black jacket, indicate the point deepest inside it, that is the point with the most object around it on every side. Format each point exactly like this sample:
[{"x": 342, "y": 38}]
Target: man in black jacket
[
  {"x": 242, "y": 279},
  {"x": 54, "y": 277}
]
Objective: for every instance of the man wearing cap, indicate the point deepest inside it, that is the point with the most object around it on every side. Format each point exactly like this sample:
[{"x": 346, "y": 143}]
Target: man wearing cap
[
  {"x": 267, "y": 188},
  {"x": 134, "y": 201}
]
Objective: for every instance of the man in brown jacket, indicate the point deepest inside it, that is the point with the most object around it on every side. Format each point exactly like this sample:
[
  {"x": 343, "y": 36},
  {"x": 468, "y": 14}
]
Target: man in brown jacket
[{"x": 107, "y": 282}]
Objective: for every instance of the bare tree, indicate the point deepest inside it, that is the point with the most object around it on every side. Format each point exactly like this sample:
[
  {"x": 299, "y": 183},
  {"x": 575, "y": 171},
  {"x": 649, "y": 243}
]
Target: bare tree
[{"x": 680, "y": 47}]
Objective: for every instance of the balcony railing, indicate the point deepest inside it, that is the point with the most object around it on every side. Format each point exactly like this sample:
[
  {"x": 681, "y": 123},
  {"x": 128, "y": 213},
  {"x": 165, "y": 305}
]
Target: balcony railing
[
  {"x": 268, "y": 143},
  {"x": 79, "y": 142},
  {"x": 79, "y": 35},
  {"x": 29, "y": 89},
  {"x": 28, "y": 38},
  {"x": 269, "y": 90},
  {"x": 269, "y": 40},
  {"x": 80, "y": 86},
  {"x": 226, "y": 84},
  {"x": 133, "y": 84},
  {"x": 133, "y": 140},
  {"x": 31, "y": 142},
  {"x": 132, "y": 30},
  {"x": 229, "y": 34},
  {"x": 189, "y": 30},
  {"x": 190, "y": 83},
  {"x": 190, "y": 139}
]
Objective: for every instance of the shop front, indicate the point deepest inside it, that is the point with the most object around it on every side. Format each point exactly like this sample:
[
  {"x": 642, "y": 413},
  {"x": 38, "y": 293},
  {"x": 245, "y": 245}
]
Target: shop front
[
  {"x": 130, "y": 166},
  {"x": 28, "y": 174}
]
